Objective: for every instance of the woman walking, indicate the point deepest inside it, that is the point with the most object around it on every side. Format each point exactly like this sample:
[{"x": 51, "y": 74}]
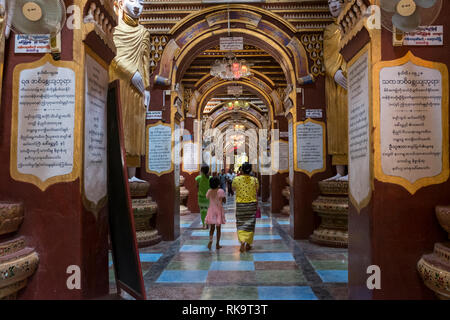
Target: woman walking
[
  {"x": 203, "y": 187},
  {"x": 216, "y": 214},
  {"x": 246, "y": 188}
]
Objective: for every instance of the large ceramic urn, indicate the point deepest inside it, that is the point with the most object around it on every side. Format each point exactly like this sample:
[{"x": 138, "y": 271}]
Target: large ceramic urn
[
  {"x": 184, "y": 193},
  {"x": 434, "y": 268},
  {"x": 17, "y": 261},
  {"x": 144, "y": 210},
  {"x": 332, "y": 207},
  {"x": 287, "y": 194}
]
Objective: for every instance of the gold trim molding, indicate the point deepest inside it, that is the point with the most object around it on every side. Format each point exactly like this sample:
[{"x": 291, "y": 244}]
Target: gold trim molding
[
  {"x": 159, "y": 123},
  {"x": 324, "y": 152},
  {"x": 29, "y": 178},
  {"x": 412, "y": 188}
]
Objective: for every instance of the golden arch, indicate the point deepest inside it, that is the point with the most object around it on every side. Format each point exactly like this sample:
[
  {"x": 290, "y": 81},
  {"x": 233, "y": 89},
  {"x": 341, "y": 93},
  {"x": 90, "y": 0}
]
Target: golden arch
[
  {"x": 245, "y": 114},
  {"x": 283, "y": 58},
  {"x": 267, "y": 99},
  {"x": 213, "y": 111},
  {"x": 194, "y": 15}
]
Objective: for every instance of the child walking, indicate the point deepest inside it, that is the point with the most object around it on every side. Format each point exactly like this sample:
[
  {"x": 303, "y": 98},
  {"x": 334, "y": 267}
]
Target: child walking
[
  {"x": 202, "y": 187},
  {"x": 216, "y": 214}
]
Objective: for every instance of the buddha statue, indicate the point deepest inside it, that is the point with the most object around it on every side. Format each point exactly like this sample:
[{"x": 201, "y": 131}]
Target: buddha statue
[
  {"x": 336, "y": 94},
  {"x": 131, "y": 66}
]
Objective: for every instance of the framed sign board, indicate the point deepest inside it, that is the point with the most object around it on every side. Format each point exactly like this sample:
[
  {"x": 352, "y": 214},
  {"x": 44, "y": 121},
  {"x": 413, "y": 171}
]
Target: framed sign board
[{"x": 127, "y": 265}]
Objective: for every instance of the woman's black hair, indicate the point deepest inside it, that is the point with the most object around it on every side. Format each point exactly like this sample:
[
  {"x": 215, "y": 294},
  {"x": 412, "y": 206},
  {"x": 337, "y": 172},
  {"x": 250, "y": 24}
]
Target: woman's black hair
[
  {"x": 214, "y": 182},
  {"x": 246, "y": 168},
  {"x": 205, "y": 170}
]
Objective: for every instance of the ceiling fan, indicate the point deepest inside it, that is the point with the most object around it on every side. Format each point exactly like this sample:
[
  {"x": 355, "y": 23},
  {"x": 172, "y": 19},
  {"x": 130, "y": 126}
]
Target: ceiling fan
[
  {"x": 38, "y": 17},
  {"x": 403, "y": 16}
]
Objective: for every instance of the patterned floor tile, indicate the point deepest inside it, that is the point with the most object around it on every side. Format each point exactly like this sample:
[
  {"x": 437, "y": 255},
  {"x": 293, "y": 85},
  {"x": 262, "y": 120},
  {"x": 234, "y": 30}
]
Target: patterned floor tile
[
  {"x": 150, "y": 257},
  {"x": 203, "y": 264},
  {"x": 275, "y": 268},
  {"x": 267, "y": 237},
  {"x": 185, "y": 276},
  {"x": 330, "y": 264},
  {"x": 230, "y": 278},
  {"x": 175, "y": 293},
  {"x": 230, "y": 293},
  {"x": 273, "y": 256},
  {"x": 232, "y": 266},
  {"x": 194, "y": 248},
  {"x": 276, "y": 265},
  {"x": 233, "y": 256},
  {"x": 339, "y": 291},
  {"x": 334, "y": 276},
  {"x": 280, "y": 276},
  {"x": 230, "y": 242},
  {"x": 286, "y": 293}
]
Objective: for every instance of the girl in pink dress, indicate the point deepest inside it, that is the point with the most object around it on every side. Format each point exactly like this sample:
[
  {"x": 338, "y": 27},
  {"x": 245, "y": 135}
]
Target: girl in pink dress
[{"x": 216, "y": 214}]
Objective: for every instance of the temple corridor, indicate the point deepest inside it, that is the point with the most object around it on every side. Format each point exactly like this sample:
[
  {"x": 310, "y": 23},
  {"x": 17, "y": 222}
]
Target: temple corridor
[
  {"x": 277, "y": 267},
  {"x": 126, "y": 124}
]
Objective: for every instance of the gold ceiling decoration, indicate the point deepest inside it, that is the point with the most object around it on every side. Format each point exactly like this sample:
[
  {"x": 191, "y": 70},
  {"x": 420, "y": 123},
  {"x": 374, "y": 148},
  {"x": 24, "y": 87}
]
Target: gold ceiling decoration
[{"x": 313, "y": 44}]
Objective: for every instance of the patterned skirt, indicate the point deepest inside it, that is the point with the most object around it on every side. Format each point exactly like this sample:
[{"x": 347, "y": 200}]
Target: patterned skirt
[{"x": 245, "y": 221}]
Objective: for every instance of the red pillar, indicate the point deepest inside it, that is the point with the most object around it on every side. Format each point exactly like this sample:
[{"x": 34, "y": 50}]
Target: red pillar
[
  {"x": 162, "y": 188},
  {"x": 305, "y": 189}
]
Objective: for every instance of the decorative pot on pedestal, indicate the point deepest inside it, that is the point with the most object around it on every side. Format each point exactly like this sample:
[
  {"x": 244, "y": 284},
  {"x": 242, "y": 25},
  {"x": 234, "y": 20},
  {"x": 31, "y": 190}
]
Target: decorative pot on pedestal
[
  {"x": 144, "y": 209},
  {"x": 332, "y": 207},
  {"x": 17, "y": 261},
  {"x": 434, "y": 268},
  {"x": 184, "y": 193},
  {"x": 287, "y": 194}
]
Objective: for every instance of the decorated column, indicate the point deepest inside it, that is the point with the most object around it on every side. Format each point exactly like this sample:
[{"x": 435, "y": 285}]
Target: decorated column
[
  {"x": 53, "y": 138},
  {"x": 398, "y": 155}
]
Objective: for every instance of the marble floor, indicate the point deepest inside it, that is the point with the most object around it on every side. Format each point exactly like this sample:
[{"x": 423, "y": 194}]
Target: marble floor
[{"x": 277, "y": 267}]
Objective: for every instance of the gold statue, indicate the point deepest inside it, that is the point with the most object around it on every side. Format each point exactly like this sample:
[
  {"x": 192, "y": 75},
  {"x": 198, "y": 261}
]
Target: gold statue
[
  {"x": 131, "y": 65},
  {"x": 336, "y": 94}
]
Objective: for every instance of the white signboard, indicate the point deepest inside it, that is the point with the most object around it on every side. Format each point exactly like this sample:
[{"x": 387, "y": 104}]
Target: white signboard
[
  {"x": 411, "y": 121},
  {"x": 284, "y": 134},
  {"x": 283, "y": 156},
  {"x": 190, "y": 157},
  {"x": 425, "y": 36},
  {"x": 291, "y": 151},
  {"x": 231, "y": 43},
  {"x": 358, "y": 131},
  {"x": 32, "y": 43},
  {"x": 314, "y": 113},
  {"x": 159, "y": 157},
  {"x": 310, "y": 147},
  {"x": 177, "y": 154},
  {"x": 95, "y": 131},
  {"x": 154, "y": 115},
  {"x": 46, "y": 121}
]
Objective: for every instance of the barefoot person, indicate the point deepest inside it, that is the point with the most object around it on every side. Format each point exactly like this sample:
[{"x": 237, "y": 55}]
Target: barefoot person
[
  {"x": 203, "y": 187},
  {"x": 216, "y": 214},
  {"x": 245, "y": 187}
]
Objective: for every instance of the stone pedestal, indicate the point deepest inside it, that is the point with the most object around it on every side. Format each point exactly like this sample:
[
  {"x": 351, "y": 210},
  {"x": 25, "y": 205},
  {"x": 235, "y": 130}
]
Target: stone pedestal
[
  {"x": 434, "y": 268},
  {"x": 332, "y": 207},
  {"x": 184, "y": 193},
  {"x": 17, "y": 261},
  {"x": 287, "y": 194},
  {"x": 144, "y": 210}
]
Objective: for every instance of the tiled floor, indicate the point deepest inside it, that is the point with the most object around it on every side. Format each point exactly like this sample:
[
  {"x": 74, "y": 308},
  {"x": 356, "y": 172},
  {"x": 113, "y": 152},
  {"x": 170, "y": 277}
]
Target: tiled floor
[{"x": 277, "y": 267}]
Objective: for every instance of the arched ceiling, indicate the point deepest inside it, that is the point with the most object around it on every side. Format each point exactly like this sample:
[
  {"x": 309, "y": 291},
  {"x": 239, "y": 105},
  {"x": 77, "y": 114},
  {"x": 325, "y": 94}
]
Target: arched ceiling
[{"x": 262, "y": 63}]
